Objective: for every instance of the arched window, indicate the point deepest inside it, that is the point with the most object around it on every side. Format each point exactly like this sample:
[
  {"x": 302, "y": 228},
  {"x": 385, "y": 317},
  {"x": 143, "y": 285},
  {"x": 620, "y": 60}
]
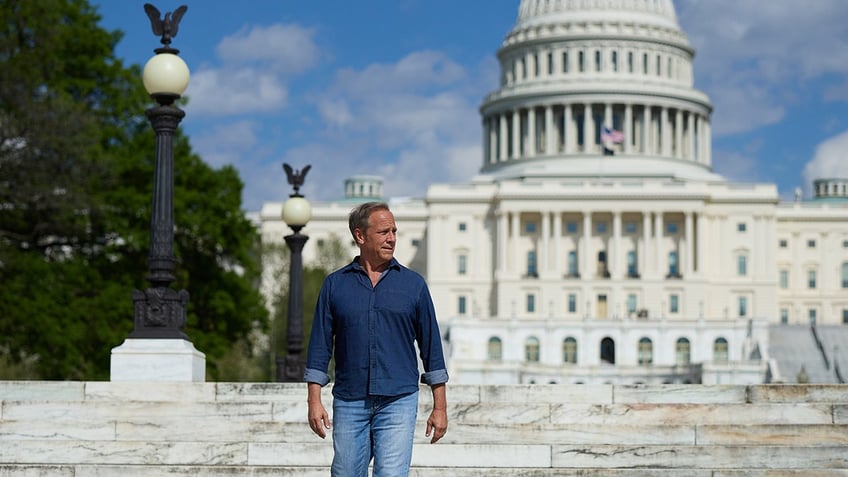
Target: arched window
[
  {"x": 569, "y": 350},
  {"x": 646, "y": 351},
  {"x": 531, "y": 349},
  {"x": 495, "y": 349},
  {"x": 682, "y": 352},
  {"x": 720, "y": 354},
  {"x": 608, "y": 350}
]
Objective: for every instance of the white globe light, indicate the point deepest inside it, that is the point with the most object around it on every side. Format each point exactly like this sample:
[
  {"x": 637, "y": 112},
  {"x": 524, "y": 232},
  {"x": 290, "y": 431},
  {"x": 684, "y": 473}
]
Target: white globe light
[
  {"x": 297, "y": 212},
  {"x": 165, "y": 73}
]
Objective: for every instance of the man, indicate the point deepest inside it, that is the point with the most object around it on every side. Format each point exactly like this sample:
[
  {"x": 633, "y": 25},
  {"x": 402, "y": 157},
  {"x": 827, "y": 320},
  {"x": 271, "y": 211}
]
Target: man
[{"x": 369, "y": 316}]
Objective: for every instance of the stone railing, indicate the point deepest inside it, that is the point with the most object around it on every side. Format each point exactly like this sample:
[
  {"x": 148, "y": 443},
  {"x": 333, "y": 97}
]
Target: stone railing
[{"x": 100, "y": 429}]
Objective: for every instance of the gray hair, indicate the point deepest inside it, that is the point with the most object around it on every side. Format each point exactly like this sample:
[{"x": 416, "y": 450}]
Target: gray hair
[{"x": 358, "y": 218}]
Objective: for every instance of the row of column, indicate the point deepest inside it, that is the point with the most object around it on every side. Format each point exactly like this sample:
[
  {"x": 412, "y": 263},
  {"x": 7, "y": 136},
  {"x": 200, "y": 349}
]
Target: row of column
[
  {"x": 555, "y": 128},
  {"x": 651, "y": 251}
]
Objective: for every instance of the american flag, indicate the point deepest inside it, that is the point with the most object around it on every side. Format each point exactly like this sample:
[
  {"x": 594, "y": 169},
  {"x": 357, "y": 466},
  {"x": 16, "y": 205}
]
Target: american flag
[{"x": 612, "y": 136}]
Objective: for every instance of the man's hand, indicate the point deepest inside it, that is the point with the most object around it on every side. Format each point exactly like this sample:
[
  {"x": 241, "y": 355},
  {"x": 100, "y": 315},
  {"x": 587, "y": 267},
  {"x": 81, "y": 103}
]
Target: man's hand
[
  {"x": 437, "y": 424},
  {"x": 319, "y": 420}
]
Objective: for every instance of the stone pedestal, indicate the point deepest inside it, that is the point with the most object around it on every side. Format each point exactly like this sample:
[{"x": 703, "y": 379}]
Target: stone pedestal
[{"x": 157, "y": 360}]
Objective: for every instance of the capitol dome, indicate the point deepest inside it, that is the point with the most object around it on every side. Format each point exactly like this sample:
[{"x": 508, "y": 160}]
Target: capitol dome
[{"x": 597, "y": 88}]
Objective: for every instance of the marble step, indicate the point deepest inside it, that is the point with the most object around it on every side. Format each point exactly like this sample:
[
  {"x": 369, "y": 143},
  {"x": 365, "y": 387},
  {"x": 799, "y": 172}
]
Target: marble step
[
  {"x": 292, "y": 471},
  {"x": 460, "y": 456}
]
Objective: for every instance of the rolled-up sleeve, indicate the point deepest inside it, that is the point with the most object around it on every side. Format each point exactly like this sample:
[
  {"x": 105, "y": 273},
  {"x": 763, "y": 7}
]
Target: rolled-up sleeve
[
  {"x": 430, "y": 341},
  {"x": 320, "y": 349}
]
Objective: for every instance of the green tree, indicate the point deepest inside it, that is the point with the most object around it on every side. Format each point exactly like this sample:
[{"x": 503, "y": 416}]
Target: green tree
[{"x": 76, "y": 169}]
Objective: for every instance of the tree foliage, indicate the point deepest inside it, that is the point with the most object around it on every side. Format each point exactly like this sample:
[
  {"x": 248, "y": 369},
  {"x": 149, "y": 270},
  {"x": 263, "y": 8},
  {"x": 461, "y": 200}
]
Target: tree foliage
[{"x": 76, "y": 178}]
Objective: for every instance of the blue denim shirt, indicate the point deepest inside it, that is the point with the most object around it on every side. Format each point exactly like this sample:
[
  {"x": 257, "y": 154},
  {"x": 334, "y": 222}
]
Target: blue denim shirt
[{"x": 373, "y": 329}]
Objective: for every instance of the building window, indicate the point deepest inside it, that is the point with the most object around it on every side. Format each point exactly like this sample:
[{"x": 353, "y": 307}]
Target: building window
[
  {"x": 631, "y": 303},
  {"x": 845, "y": 275},
  {"x": 550, "y": 64},
  {"x": 742, "y": 265},
  {"x": 598, "y": 62},
  {"x": 782, "y": 243},
  {"x": 720, "y": 350},
  {"x": 646, "y": 351},
  {"x": 845, "y": 244},
  {"x": 531, "y": 350},
  {"x": 572, "y": 303},
  {"x": 743, "y": 306},
  {"x": 682, "y": 352},
  {"x": 784, "y": 316},
  {"x": 530, "y": 227},
  {"x": 531, "y": 264},
  {"x": 608, "y": 350},
  {"x": 845, "y": 315},
  {"x": 565, "y": 62},
  {"x": 674, "y": 303},
  {"x": 741, "y": 227},
  {"x": 671, "y": 228},
  {"x": 811, "y": 279},
  {"x": 632, "y": 264},
  {"x": 784, "y": 279},
  {"x": 615, "y": 61},
  {"x": 495, "y": 349},
  {"x": 571, "y": 227},
  {"x": 630, "y": 62},
  {"x": 630, "y": 227},
  {"x": 811, "y": 243},
  {"x": 531, "y": 303},
  {"x": 581, "y": 61},
  {"x": 812, "y": 316},
  {"x": 415, "y": 242},
  {"x": 673, "y": 266},
  {"x": 462, "y": 226},
  {"x": 462, "y": 264},
  {"x": 569, "y": 350},
  {"x": 601, "y": 227},
  {"x": 572, "y": 264},
  {"x": 460, "y": 305}
]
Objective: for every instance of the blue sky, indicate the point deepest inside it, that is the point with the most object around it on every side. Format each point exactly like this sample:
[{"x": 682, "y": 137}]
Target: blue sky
[{"x": 392, "y": 87}]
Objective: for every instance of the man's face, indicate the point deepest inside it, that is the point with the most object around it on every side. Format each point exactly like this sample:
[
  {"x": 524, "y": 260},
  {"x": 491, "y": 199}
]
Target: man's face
[{"x": 377, "y": 243}]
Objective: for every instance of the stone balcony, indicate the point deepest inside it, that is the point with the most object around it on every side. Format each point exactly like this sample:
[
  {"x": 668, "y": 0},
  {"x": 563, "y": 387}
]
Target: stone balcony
[{"x": 104, "y": 429}]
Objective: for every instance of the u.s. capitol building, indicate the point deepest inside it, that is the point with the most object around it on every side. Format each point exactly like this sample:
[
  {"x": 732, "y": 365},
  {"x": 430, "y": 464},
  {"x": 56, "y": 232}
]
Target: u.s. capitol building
[{"x": 596, "y": 244}]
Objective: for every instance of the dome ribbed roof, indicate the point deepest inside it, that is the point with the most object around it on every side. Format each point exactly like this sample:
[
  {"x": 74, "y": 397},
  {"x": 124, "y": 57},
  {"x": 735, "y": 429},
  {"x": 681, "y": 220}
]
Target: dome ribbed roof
[{"x": 656, "y": 12}]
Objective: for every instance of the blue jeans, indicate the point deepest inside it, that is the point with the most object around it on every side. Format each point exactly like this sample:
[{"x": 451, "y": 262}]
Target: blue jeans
[{"x": 378, "y": 427}]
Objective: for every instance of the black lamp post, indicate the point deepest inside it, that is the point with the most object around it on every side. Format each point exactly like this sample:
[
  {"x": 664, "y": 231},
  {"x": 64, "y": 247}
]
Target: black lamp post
[
  {"x": 160, "y": 312},
  {"x": 296, "y": 213}
]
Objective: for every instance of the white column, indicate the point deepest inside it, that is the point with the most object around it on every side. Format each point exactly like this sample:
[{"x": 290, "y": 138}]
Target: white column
[
  {"x": 708, "y": 152},
  {"x": 557, "y": 235},
  {"x": 502, "y": 238},
  {"x": 504, "y": 137},
  {"x": 545, "y": 259},
  {"x": 646, "y": 127},
  {"x": 665, "y": 136},
  {"x": 628, "y": 128},
  {"x": 644, "y": 258},
  {"x": 678, "y": 134},
  {"x": 557, "y": 63},
  {"x": 700, "y": 236},
  {"x": 487, "y": 149},
  {"x": 688, "y": 235},
  {"x": 567, "y": 127},
  {"x": 516, "y": 251},
  {"x": 608, "y": 115},
  {"x": 531, "y": 65},
  {"x": 549, "y": 130},
  {"x": 587, "y": 232},
  {"x": 615, "y": 256},
  {"x": 530, "y": 143},
  {"x": 690, "y": 133},
  {"x": 658, "y": 234},
  {"x": 588, "y": 129},
  {"x": 516, "y": 133},
  {"x": 543, "y": 63}
]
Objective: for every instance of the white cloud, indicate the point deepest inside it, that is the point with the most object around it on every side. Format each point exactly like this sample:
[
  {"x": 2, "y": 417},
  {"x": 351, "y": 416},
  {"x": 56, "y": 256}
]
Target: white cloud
[
  {"x": 242, "y": 91},
  {"x": 828, "y": 161},
  {"x": 751, "y": 55},
  {"x": 284, "y": 48}
]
